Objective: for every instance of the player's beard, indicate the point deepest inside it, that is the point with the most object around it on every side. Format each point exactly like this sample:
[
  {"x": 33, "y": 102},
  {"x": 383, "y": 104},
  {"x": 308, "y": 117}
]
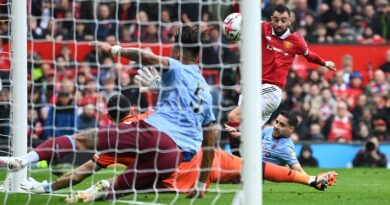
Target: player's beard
[{"x": 280, "y": 32}]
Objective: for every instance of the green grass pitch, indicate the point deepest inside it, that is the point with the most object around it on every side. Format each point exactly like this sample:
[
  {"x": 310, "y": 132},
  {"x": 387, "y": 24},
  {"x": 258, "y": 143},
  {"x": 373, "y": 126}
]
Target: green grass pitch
[{"x": 354, "y": 187}]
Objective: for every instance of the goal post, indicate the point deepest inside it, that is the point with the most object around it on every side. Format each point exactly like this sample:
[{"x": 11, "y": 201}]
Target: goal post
[
  {"x": 251, "y": 106},
  {"x": 19, "y": 90}
]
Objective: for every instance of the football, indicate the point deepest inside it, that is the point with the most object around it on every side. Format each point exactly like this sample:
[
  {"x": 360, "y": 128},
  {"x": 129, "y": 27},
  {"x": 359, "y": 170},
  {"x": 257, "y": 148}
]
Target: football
[{"x": 232, "y": 26}]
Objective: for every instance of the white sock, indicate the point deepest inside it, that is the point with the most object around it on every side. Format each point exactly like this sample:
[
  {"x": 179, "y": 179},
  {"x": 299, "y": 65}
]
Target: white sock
[{"x": 30, "y": 157}]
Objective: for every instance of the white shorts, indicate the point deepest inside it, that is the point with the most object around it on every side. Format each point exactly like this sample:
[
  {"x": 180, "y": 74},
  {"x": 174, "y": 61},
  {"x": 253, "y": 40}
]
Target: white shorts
[{"x": 272, "y": 97}]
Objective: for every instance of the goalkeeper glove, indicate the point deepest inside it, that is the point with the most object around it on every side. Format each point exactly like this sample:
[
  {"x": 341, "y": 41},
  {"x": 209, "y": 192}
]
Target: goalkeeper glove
[
  {"x": 148, "y": 79},
  {"x": 31, "y": 185}
]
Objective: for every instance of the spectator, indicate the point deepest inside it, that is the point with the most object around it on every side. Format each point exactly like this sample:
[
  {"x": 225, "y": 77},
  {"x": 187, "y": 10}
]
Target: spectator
[
  {"x": 334, "y": 16},
  {"x": 106, "y": 26},
  {"x": 295, "y": 98},
  {"x": 269, "y": 7},
  {"x": 301, "y": 11},
  {"x": 344, "y": 34},
  {"x": 61, "y": 118},
  {"x": 314, "y": 100},
  {"x": 89, "y": 95},
  {"x": 87, "y": 119},
  {"x": 108, "y": 89},
  {"x": 321, "y": 35},
  {"x": 339, "y": 127},
  {"x": 306, "y": 157},
  {"x": 34, "y": 31},
  {"x": 125, "y": 35},
  {"x": 381, "y": 21},
  {"x": 361, "y": 132},
  {"x": 150, "y": 35},
  {"x": 369, "y": 14},
  {"x": 168, "y": 28},
  {"x": 193, "y": 13},
  {"x": 340, "y": 89},
  {"x": 379, "y": 86},
  {"x": 81, "y": 33},
  {"x": 54, "y": 31},
  {"x": 127, "y": 11},
  {"x": 358, "y": 110},
  {"x": 35, "y": 126},
  {"x": 131, "y": 91},
  {"x": 5, "y": 107},
  {"x": 356, "y": 88},
  {"x": 347, "y": 67},
  {"x": 315, "y": 133},
  {"x": 370, "y": 155},
  {"x": 380, "y": 127},
  {"x": 369, "y": 37},
  {"x": 212, "y": 51},
  {"x": 386, "y": 66},
  {"x": 327, "y": 105}
]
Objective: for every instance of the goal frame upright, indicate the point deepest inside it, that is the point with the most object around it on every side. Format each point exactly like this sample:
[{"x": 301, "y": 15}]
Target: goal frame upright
[
  {"x": 251, "y": 116},
  {"x": 18, "y": 91}
]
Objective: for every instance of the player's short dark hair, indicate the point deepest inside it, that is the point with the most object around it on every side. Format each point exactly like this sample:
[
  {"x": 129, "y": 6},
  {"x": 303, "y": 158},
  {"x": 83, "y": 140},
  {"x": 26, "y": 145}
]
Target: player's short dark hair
[
  {"x": 118, "y": 107},
  {"x": 291, "y": 117},
  {"x": 190, "y": 39},
  {"x": 281, "y": 8}
]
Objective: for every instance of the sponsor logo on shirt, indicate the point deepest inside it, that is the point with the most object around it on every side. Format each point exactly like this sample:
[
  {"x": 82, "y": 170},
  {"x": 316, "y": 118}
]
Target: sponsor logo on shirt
[{"x": 269, "y": 47}]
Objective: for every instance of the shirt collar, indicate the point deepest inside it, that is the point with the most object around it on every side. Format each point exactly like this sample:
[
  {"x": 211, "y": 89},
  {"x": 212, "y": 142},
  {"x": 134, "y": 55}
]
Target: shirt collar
[{"x": 284, "y": 36}]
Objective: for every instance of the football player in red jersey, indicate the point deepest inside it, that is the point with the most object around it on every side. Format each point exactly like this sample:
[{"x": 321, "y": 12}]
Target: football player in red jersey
[{"x": 279, "y": 48}]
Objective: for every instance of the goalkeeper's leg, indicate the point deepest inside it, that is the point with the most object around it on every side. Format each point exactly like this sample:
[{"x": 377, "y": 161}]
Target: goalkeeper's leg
[{"x": 276, "y": 173}]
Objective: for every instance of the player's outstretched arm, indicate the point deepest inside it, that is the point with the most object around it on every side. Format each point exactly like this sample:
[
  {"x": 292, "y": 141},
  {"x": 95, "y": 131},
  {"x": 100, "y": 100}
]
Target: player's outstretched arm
[
  {"x": 313, "y": 57},
  {"x": 134, "y": 54},
  {"x": 76, "y": 176},
  {"x": 71, "y": 178},
  {"x": 208, "y": 146}
]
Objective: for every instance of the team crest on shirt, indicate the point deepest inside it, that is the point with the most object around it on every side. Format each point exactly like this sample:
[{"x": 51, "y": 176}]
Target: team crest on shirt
[
  {"x": 292, "y": 153},
  {"x": 287, "y": 45}
]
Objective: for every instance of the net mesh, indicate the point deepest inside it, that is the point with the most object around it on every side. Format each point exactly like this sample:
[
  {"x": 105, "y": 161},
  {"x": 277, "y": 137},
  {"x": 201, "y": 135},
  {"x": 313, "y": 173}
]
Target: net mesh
[{"x": 70, "y": 81}]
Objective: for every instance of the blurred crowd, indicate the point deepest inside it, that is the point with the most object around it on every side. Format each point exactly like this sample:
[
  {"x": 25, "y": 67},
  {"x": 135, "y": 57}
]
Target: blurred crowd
[
  {"x": 65, "y": 94},
  {"x": 319, "y": 21}
]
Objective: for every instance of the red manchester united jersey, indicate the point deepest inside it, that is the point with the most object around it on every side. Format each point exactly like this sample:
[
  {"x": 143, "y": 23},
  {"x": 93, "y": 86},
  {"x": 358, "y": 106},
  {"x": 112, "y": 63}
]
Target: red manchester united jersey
[{"x": 278, "y": 54}]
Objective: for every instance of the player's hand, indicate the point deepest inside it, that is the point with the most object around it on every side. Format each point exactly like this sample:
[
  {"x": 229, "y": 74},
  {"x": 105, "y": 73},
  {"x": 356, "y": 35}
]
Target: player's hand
[
  {"x": 33, "y": 186},
  {"x": 149, "y": 79},
  {"x": 195, "y": 194},
  {"x": 102, "y": 46},
  {"x": 330, "y": 65},
  {"x": 232, "y": 131},
  {"x": 198, "y": 191}
]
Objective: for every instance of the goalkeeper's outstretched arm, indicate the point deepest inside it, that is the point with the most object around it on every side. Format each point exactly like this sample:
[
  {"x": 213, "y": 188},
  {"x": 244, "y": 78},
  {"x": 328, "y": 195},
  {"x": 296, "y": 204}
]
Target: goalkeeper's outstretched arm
[{"x": 134, "y": 54}]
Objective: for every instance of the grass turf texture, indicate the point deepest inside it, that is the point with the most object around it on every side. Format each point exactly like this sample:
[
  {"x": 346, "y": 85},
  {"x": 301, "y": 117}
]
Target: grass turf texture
[{"x": 354, "y": 186}]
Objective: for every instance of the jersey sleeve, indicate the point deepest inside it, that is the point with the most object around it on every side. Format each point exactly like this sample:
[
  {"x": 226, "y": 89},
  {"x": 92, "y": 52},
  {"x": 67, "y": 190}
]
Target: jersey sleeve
[
  {"x": 301, "y": 46},
  {"x": 289, "y": 156},
  {"x": 209, "y": 115}
]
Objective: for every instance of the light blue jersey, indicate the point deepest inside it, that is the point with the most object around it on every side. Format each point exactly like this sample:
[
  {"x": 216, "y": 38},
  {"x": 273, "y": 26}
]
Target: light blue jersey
[
  {"x": 184, "y": 106},
  {"x": 279, "y": 151}
]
